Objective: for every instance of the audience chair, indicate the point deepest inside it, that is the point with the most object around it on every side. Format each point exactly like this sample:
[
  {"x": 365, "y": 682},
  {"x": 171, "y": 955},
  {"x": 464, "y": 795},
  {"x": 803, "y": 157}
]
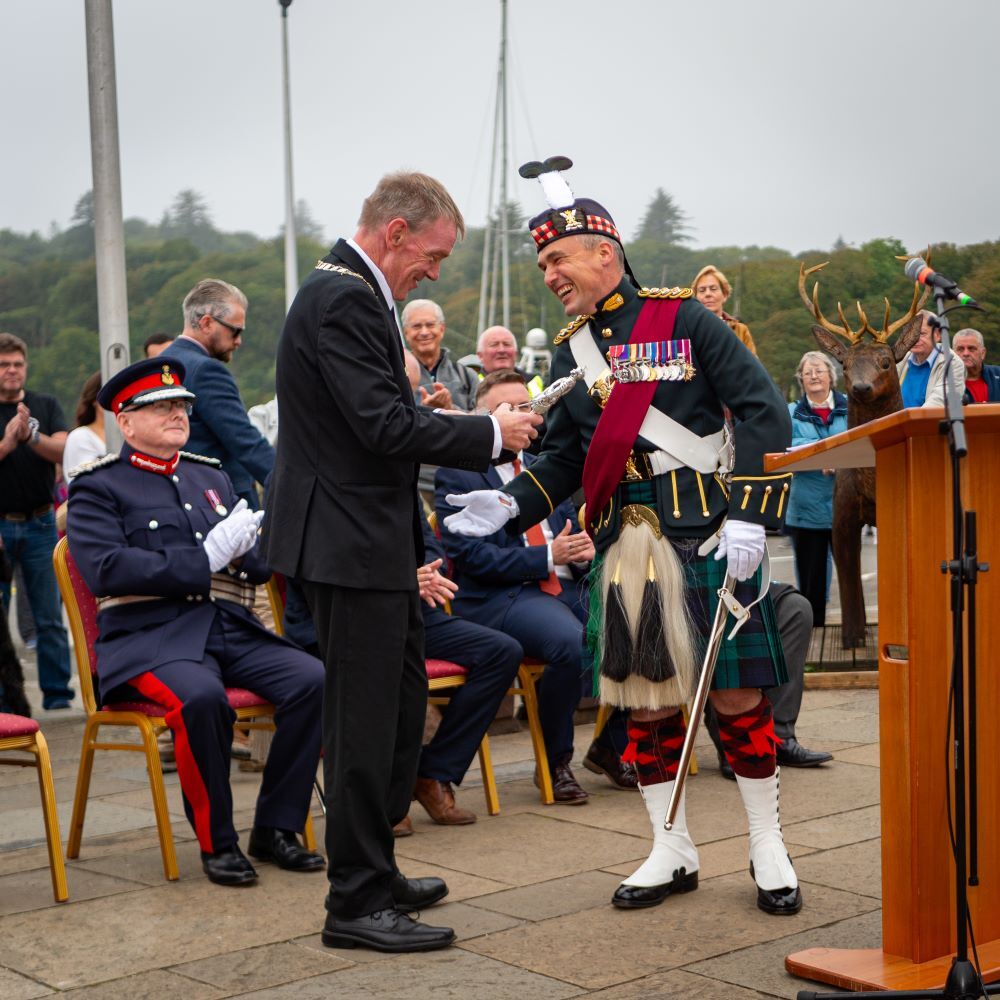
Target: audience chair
[
  {"x": 252, "y": 712},
  {"x": 20, "y": 734},
  {"x": 443, "y": 675}
]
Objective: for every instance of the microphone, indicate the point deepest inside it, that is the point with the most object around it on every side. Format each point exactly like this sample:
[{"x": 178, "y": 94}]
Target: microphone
[{"x": 917, "y": 269}]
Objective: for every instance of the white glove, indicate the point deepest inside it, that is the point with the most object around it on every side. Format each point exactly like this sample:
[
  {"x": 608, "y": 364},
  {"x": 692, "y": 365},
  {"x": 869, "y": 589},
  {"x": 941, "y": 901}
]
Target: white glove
[
  {"x": 485, "y": 511},
  {"x": 744, "y": 543},
  {"x": 233, "y": 537}
]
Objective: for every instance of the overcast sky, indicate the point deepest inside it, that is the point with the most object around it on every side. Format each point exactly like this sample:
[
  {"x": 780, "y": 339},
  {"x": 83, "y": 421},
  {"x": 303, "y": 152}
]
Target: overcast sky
[{"x": 778, "y": 122}]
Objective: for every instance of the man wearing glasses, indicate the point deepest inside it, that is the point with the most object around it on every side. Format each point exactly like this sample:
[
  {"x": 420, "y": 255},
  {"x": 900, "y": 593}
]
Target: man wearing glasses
[{"x": 214, "y": 320}]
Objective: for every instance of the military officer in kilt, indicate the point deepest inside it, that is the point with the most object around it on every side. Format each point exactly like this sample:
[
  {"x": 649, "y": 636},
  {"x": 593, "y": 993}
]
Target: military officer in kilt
[
  {"x": 665, "y": 481},
  {"x": 171, "y": 554}
]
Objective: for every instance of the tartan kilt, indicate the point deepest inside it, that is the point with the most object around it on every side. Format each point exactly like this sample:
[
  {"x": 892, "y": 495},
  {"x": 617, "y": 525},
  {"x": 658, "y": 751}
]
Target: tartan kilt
[{"x": 754, "y": 658}]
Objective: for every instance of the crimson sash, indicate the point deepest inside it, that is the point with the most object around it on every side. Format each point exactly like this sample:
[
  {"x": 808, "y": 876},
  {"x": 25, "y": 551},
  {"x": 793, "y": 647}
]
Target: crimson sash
[{"x": 619, "y": 423}]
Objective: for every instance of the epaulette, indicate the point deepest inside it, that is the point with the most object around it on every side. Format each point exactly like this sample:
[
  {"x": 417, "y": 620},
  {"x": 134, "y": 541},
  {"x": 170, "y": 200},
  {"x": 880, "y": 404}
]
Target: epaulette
[
  {"x": 567, "y": 331},
  {"x": 204, "y": 459},
  {"x": 322, "y": 265},
  {"x": 665, "y": 293},
  {"x": 93, "y": 466}
]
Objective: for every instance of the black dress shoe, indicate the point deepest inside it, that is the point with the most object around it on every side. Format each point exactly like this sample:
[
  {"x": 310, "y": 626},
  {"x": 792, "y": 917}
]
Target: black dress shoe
[
  {"x": 384, "y": 930},
  {"x": 780, "y": 902},
  {"x": 791, "y": 753},
  {"x": 228, "y": 867},
  {"x": 602, "y": 760},
  {"x": 411, "y": 894},
  {"x": 565, "y": 788},
  {"x": 283, "y": 848},
  {"x": 634, "y": 897},
  {"x": 725, "y": 768}
]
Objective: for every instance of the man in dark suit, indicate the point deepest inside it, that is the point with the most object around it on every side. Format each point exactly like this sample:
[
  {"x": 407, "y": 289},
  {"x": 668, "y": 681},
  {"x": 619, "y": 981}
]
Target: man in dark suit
[
  {"x": 215, "y": 316},
  {"x": 170, "y": 552},
  {"x": 533, "y": 588},
  {"x": 343, "y": 520}
]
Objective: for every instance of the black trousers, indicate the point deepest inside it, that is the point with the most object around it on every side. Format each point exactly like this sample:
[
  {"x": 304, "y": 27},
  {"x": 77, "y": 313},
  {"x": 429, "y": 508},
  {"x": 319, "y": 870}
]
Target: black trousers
[
  {"x": 374, "y": 700},
  {"x": 812, "y": 548}
]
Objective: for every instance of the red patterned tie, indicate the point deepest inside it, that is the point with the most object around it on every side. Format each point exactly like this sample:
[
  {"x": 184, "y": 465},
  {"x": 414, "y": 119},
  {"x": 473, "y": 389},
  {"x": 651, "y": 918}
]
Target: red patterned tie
[{"x": 535, "y": 536}]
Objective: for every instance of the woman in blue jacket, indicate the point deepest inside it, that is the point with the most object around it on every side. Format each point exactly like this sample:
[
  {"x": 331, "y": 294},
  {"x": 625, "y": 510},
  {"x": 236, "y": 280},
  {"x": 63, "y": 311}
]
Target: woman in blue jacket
[{"x": 819, "y": 413}]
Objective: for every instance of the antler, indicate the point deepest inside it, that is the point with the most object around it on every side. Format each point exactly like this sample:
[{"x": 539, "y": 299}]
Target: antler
[{"x": 812, "y": 305}]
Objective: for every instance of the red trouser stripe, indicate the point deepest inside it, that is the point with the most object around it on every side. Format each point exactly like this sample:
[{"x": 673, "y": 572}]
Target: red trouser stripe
[{"x": 192, "y": 783}]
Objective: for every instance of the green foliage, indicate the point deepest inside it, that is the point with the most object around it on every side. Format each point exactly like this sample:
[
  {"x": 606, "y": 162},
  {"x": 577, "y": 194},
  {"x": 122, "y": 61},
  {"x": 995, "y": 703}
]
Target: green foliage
[{"x": 48, "y": 293}]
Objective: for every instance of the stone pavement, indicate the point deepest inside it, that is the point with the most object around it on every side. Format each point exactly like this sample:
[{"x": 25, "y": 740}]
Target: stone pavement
[{"x": 529, "y": 898}]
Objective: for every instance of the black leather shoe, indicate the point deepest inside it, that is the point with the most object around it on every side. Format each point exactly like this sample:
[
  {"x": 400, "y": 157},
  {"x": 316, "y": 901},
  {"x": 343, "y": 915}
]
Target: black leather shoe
[
  {"x": 634, "y": 897},
  {"x": 780, "y": 902},
  {"x": 565, "y": 788},
  {"x": 411, "y": 894},
  {"x": 602, "y": 760},
  {"x": 228, "y": 867},
  {"x": 384, "y": 930},
  {"x": 725, "y": 768},
  {"x": 791, "y": 753},
  {"x": 283, "y": 848}
]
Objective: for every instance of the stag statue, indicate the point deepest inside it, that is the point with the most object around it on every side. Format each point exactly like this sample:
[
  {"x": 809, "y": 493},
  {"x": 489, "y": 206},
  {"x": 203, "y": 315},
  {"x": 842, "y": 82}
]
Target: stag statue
[{"x": 872, "y": 388}]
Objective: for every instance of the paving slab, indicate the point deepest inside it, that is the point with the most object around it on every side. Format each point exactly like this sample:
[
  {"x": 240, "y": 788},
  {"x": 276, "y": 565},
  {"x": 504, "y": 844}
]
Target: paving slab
[
  {"x": 25, "y": 828},
  {"x": 145, "y": 866},
  {"x": 155, "y": 985},
  {"x": 676, "y": 984},
  {"x": 15, "y": 987},
  {"x": 604, "y": 946},
  {"x": 554, "y": 898},
  {"x": 867, "y": 753},
  {"x": 32, "y": 890},
  {"x": 837, "y": 829},
  {"x": 762, "y": 966},
  {"x": 857, "y": 868},
  {"x": 141, "y": 931},
  {"x": 452, "y": 974},
  {"x": 257, "y": 968},
  {"x": 521, "y": 848}
]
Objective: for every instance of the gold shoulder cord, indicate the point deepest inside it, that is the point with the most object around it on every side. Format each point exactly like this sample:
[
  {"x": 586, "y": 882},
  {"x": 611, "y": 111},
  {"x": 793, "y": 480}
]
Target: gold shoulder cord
[
  {"x": 665, "y": 293},
  {"x": 567, "y": 331}
]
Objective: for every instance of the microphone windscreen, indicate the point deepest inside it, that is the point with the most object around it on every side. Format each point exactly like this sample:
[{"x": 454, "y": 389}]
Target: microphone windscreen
[{"x": 913, "y": 268}]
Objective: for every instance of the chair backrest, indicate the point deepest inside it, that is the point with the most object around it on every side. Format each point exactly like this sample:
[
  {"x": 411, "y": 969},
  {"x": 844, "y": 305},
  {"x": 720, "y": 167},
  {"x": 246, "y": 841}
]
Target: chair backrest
[
  {"x": 81, "y": 610},
  {"x": 277, "y": 595}
]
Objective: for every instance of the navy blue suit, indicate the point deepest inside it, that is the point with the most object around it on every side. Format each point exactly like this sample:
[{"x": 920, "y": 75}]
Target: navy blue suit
[
  {"x": 491, "y": 658},
  {"x": 140, "y": 533},
  {"x": 498, "y": 578},
  {"x": 220, "y": 427}
]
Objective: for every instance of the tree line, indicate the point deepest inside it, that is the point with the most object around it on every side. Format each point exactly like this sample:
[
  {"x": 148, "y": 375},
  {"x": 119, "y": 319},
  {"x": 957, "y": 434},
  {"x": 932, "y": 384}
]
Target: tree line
[{"x": 48, "y": 293}]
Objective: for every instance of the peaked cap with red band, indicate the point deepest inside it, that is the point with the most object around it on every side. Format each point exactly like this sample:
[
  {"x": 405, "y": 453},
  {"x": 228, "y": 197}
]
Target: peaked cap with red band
[{"x": 147, "y": 381}]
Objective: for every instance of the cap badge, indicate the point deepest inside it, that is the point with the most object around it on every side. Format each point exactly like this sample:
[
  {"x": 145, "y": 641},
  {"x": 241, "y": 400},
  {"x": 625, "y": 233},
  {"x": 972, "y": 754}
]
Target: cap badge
[
  {"x": 572, "y": 222},
  {"x": 166, "y": 378}
]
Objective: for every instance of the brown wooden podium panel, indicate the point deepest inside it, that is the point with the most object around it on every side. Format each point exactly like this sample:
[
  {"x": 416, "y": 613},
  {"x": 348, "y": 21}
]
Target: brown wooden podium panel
[{"x": 913, "y": 489}]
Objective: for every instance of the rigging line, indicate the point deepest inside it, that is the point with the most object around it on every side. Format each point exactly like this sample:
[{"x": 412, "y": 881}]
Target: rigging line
[
  {"x": 488, "y": 243},
  {"x": 514, "y": 66},
  {"x": 479, "y": 147}
]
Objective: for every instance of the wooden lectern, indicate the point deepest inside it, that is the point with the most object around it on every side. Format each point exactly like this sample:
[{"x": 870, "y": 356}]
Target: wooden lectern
[{"x": 913, "y": 494}]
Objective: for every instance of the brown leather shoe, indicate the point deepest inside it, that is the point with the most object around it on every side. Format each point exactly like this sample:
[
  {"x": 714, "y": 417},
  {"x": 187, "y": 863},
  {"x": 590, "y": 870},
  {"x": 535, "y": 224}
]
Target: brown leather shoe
[
  {"x": 565, "y": 788},
  {"x": 404, "y": 828},
  {"x": 439, "y": 801}
]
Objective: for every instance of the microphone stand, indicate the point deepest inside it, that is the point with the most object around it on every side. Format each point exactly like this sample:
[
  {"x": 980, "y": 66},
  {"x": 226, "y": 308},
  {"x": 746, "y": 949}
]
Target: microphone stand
[{"x": 963, "y": 981}]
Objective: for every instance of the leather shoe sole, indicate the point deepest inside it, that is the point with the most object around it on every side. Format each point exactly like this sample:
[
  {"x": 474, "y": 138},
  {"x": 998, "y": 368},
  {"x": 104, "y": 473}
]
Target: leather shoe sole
[
  {"x": 405, "y": 937},
  {"x": 635, "y": 897}
]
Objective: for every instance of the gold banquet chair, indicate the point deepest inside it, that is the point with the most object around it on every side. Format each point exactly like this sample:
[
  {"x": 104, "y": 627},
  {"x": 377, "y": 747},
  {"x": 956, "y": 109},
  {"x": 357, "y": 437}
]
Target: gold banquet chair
[
  {"x": 442, "y": 676},
  {"x": 252, "y": 712},
  {"x": 20, "y": 734}
]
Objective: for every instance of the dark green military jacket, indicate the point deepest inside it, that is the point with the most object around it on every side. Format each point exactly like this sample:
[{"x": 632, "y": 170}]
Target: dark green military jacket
[{"x": 688, "y": 503}]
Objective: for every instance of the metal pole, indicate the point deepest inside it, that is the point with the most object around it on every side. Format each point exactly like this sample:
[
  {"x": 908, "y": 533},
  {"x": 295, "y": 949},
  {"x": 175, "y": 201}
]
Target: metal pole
[
  {"x": 484, "y": 293},
  {"x": 291, "y": 254},
  {"x": 504, "y": 241},
  {"x": 109, "y": 235}
]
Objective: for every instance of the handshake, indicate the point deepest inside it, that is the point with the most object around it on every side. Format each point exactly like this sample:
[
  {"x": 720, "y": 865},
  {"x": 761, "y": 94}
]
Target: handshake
[{"x": 233, "y": 537}]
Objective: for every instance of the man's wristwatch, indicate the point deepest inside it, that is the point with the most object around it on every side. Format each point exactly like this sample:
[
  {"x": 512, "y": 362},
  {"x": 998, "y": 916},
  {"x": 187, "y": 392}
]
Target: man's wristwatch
[{"x": 33, "y": 432}]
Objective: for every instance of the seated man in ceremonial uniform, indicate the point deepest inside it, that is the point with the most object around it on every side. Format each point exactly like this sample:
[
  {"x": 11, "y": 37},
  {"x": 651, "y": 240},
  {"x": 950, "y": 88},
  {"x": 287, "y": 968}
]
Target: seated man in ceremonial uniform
[
  {"x": 169, "y": 550},
  {"x": 533, "y": 587},
  {"x": 644, "y": 431}
]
